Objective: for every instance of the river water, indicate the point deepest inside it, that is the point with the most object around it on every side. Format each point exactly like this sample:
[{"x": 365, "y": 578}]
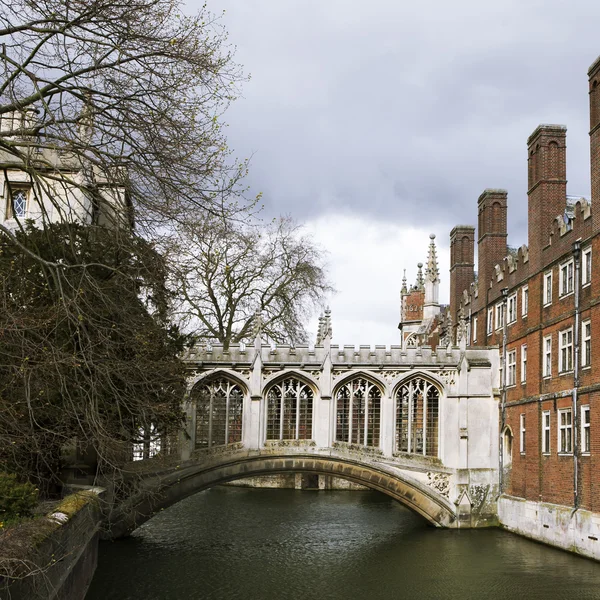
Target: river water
[{"x": 258, "y": 544}]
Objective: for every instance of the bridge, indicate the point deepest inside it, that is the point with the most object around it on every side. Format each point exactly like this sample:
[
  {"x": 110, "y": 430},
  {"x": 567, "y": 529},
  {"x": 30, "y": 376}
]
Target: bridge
[{"x": 417, "y": 424}]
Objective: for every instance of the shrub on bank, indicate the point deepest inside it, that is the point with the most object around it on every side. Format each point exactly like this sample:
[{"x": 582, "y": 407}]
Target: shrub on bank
[{"x": 17, "y": 500}]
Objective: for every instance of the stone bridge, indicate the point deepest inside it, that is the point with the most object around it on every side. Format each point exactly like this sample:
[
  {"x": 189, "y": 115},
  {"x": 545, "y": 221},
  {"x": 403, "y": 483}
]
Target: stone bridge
[{"x": 417, "y": 424}]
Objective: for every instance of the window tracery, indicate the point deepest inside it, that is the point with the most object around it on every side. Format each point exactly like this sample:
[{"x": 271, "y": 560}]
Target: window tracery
[
  {"x": 219, "y": 405},
  {"x": 289, "y": 410},
  {"x": 358, "y": 404},
  {"x": 417, "y": 417}
]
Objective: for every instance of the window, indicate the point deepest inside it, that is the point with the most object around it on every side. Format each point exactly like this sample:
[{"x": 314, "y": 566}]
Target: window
[
  {"x": 358, "y": 405},
  {"x": 586, "y": 267},
  {"x": 524, "y": 301},
  {"x": 490, "y": 320},
  {"x": 565, "y": 431},
  {"x": 507, "y": 439},
  {"x": 522, "y": 433},
  {"x": 148, "y": 442},
  {"x": 565, "y": 280},
  {"x": 219, "y": 406},
  {"x": 289, "y": 410},
  {"x": 565, "y": 351},
  {"x": 511, "y": 370},
  {"x": 512, "y": 308},
  {"x": 474, "y": 329},
  {"x": 17, "y": 204},
  {"x": 546, "y": 432},
  {"x": 548, "y": 288},
  {"x": 547, "y": 363},
  {"x": 499, "y": 315},
  {"x": 585, "y": 429},
  {"x": 586, "y": 340},
  {"x": 523, "y": 363},
  {"x": 417, "y": 411}
]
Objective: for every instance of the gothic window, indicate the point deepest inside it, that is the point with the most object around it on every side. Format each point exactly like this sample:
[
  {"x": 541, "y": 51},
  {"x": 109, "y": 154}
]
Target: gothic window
[
  {"x": 17, "y": 205},
  {"x": 219, "y": 405},
  {"x": 417, "y": 417},
  {"x": 358, "y": 404},
  {"x": 289, "y": 410}
]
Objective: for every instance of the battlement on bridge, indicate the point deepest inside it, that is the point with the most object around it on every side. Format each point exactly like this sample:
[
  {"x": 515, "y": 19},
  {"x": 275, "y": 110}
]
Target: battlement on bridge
[{"x": 349, "y": 355}]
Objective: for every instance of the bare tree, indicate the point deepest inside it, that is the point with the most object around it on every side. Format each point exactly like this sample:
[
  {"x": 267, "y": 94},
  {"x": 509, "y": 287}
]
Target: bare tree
[{"x": 228, "y": 270}]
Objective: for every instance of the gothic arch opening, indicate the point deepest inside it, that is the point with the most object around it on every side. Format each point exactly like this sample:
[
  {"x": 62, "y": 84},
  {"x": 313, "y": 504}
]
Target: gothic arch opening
[
  {"x": 218, "y": 406},
  {"x": 289, "y": 409},
  {"x": 358, "y": 412},
  {"x": 417, "y": 417}
]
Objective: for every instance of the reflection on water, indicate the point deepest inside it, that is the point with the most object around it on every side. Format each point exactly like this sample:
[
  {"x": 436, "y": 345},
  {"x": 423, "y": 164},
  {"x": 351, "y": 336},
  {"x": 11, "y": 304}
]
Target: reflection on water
[{"x": 250, "y": 544}]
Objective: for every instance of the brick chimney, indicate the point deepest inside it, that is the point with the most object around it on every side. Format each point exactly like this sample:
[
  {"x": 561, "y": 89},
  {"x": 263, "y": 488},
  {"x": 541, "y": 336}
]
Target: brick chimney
[
  {"x": 547, "y": 185},
  {"x": 594, "y": 77},
  {"x": 491, "y": 244},
  {"x": 462, "y": 263}
]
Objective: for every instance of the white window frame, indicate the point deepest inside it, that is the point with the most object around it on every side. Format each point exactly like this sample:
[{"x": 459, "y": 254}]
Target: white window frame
[
  {"x": 474, "y": 329},
  {"x": 586, "y": 343},
  {"x": 565, "y": 431},
  {"x": 547, "y": 288},
  {"x": 546, "y": 432},
  {"x": 547, "y": 356},
  {"x": 566, "y": 278},
  {"x": 512, "y": 309},
  {"x": 586, "y": 438},
  {"x": 490, "y": 320},
  {"x": 586, "y": 266},
  {"x": 523, "y": 363},
  {"x": 565, "y": 351},
  {"x": 524, "y": 300},
  {"x": 10, "y": 209},
  {"x": 511, "y": 368},
  {"x": 499, "y": 315},
  {"x": 522, "y": 433}
]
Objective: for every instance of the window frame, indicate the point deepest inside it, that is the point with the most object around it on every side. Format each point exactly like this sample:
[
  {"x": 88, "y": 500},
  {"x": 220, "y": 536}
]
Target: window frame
[
  {"x": 586, "y": 265},
  {"x": 567, "y": 427},
  {"x": 586, "y": 438},
  {"x": 523, "y": 363},
  {"x": 474, "y": 329},
  {"x": 524, "y": 300},
  {"x": 546, "y": 432},
  {"x": 490, "y": 321},
  {"x": 12, "y": 190},
  {"x": 511, "y": 368},
  {"x": 547, "y": 352},
  {"x": 547, "y": 299},
  {"x": 499, "y": 315},
  {"x": 522, "y": 432},
  {"x": 586, "y": 345},
  {"x": 511, "y": 301},
  {"x": 568, "y": 355},
  {"x": 566, "y": 274}
]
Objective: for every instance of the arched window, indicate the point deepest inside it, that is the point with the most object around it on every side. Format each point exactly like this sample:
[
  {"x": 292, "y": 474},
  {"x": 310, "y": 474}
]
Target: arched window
[
  {"x": 417, "y": 417},
  {"x": 507, "y": 443},
  {"x": 219, "y": 407},
  {"x": 358, "y": 404},
  {"x": 289, "y": 410}
]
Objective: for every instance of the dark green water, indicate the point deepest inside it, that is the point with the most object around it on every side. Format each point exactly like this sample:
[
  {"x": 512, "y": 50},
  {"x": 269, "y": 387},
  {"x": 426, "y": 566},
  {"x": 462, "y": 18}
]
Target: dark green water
[{"x": 229, "y": 543}]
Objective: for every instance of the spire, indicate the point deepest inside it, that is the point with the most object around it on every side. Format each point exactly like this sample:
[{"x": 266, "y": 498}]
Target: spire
[
  {"x": 257, "y": 329},
  {"x": 404, "y": 289},
  {"x": 420, "y": 284},
  {"x": 432, "y": 272},
  {"x": 320, "y": 334},
  {"x": 327, "y": 331}
]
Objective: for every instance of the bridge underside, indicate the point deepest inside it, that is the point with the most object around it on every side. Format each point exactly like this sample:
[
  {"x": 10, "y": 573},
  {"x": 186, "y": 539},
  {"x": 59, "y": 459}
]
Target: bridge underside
[{"x": 159, "y": 492}]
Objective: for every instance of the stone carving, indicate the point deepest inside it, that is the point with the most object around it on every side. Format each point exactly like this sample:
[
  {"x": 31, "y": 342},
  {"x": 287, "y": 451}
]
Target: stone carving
[
  {"x": 440, "y": 482},
  {"x": 448, "y": 376}
]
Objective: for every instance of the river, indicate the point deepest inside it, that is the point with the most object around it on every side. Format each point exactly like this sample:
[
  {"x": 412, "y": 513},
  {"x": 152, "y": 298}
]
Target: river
[{"x": 258, "y": 544}]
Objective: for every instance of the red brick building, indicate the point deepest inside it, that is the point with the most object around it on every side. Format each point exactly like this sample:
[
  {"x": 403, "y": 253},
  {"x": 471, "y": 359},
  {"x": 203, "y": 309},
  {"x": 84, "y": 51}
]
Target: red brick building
[{"x": 541, "y": 305}]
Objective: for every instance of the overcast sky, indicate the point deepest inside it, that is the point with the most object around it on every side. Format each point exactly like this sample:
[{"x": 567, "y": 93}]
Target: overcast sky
[{"x": 379, "y": 122}]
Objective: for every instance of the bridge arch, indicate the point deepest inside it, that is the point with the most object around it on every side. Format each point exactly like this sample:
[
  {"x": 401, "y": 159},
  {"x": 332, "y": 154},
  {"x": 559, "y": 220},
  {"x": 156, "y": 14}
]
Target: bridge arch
[{"x": 163, "y": 491}]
